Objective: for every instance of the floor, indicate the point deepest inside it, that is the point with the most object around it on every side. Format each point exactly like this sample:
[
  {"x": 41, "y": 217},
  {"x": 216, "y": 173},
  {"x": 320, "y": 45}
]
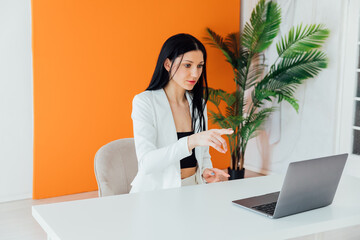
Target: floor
[{"x": 16, "y": 221}]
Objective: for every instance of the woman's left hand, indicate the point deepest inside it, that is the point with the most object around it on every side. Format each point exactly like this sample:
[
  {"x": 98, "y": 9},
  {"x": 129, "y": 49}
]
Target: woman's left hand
[{"x": 212, "y": 175}]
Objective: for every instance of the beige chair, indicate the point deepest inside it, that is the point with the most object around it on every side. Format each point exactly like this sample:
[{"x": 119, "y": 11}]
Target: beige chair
[{"x": 115, "y": 167}]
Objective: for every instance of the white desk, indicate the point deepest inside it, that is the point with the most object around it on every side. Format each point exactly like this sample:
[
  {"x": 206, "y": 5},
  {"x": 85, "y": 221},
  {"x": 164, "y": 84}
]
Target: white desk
[{"x": 194, "y": 212}]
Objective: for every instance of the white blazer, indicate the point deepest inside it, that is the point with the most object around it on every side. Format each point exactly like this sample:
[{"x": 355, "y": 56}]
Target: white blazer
[{"x": 158, "y": 149}]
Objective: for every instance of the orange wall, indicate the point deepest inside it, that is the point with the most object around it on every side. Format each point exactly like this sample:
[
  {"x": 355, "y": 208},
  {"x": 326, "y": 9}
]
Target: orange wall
[{"x": 90, "y": 58}]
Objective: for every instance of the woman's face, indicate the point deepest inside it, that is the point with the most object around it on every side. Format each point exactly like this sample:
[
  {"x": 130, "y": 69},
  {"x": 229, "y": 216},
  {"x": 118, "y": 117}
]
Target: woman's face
[{"x": 187, "y": 69}]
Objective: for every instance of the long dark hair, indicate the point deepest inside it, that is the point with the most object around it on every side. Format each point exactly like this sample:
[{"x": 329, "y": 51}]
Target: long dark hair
[{"x": 174, "y": 47}]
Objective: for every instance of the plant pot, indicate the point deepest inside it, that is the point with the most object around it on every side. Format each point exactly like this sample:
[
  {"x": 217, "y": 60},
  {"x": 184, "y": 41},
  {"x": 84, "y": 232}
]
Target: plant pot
[{"x": 236, "y": 174}]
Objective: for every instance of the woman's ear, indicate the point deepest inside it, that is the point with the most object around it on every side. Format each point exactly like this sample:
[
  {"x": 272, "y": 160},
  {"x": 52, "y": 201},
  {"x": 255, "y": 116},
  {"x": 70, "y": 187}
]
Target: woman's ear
[{"x": 167, "y": 64}]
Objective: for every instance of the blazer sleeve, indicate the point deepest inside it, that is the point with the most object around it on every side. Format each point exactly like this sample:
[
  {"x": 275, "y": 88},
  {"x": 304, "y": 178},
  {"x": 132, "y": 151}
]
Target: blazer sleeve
[
  {"x": 206, "y": 154},
  {"x": 150, "y": 158}
]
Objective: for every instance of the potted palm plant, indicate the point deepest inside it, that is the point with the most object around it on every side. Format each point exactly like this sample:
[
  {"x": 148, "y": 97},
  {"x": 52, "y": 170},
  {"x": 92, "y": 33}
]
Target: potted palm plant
[{"x": 299, "y": 58}]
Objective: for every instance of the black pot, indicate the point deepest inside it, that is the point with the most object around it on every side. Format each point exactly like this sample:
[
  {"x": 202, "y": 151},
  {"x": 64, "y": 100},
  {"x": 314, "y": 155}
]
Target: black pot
[{"x": 236, "y": 174}]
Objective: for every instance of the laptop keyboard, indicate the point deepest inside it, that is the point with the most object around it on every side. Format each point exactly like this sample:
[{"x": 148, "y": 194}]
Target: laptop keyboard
[{"x": 268, "y": 208}]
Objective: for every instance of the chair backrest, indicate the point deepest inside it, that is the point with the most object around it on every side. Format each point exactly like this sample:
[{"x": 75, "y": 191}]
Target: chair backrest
[{"x": 116, "y": 167}]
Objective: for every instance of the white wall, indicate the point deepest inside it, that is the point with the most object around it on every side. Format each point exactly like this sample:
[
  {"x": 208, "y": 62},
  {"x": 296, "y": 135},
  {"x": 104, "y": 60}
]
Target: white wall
[
  {"x": 313, "y": 131},
  {"x": 16, "y": 100}
]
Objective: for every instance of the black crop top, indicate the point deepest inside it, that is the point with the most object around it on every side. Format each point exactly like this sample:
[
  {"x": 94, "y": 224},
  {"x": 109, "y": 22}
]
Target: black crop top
[{"x": 189, "y": 161}]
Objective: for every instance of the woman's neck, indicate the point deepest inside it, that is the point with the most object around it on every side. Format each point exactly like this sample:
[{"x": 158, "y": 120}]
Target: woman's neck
[{"x": 175, "y": 93}]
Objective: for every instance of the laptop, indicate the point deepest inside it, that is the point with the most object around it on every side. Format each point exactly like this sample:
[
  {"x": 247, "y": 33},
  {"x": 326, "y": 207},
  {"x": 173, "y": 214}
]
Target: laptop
[{"x": 308, "y": 185}]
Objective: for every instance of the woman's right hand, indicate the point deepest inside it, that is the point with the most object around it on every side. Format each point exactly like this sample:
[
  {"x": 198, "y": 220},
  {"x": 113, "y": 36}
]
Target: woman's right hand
[{"x": 210, "y": 138}]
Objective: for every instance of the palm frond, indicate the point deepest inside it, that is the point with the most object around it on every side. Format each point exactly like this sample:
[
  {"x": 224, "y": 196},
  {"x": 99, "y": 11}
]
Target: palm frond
[
  {"x": 292, "y": 101},
  {"x": 218, "y": 41},
  {"x": 261, "y": 115},
  {"x": 234, "y": 121},
  {"x": 260, "y": 118},
  {"x": 301, "y": 40},
  {"x": 213, "y": 97},
  {"x": 218, "y": 95},
  {"x": 290, "y": 72},
  {"x": 243, "y": 58},
  {"x": 240, "y": 78},
  {"x": 254, "y": 122},
  {"x": 230, "y": 111},
  {"x": 232, "y": 42},
  {"x": 259, "y": 95},
  {"x": 228, "y": 122},
  {"x": 240, "y": 72},
  {"x": 263, "y": 27},
  {"x": 235, "y": 108},
  {"x": 256, "y": 70},
  {"x": 217, "y": 118}
]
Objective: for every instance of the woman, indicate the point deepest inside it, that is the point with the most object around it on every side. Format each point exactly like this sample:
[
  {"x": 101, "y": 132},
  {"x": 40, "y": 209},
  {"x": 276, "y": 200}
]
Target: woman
[{"x": 170, "y": 121}]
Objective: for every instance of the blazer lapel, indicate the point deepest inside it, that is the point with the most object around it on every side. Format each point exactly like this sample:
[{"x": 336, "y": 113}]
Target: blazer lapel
[
  {"x": 166, "y": 119},
  {"x": 198, "y": 153}
]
